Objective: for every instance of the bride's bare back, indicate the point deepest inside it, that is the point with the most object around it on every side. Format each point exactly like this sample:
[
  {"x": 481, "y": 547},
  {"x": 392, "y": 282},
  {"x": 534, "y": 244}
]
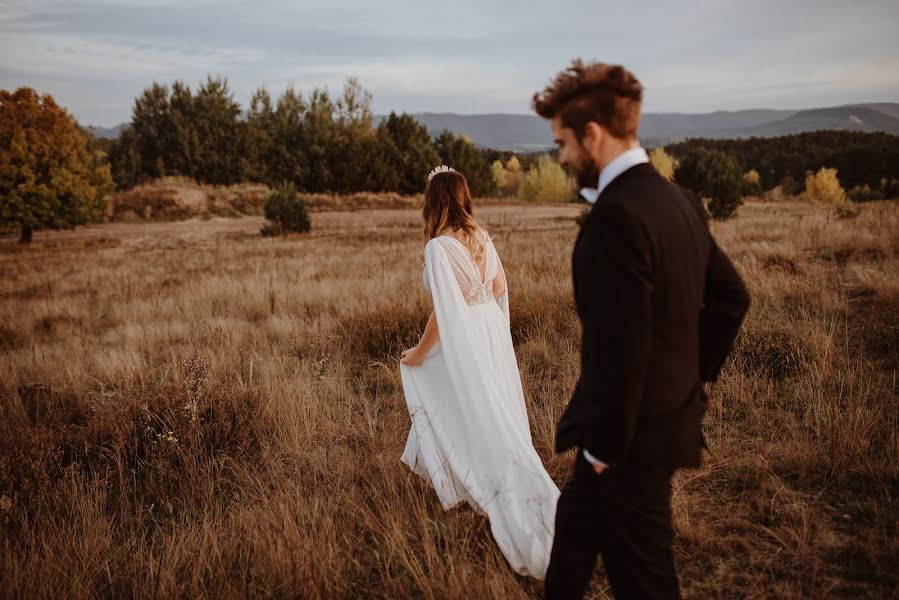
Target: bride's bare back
[{"x": 477, "y": 281}]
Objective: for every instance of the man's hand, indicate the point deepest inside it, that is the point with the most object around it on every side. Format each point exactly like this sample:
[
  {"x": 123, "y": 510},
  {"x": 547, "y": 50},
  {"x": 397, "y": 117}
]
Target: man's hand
[
  {"x": 598, "y": 466},
  {"x": 412, "y": 357}
]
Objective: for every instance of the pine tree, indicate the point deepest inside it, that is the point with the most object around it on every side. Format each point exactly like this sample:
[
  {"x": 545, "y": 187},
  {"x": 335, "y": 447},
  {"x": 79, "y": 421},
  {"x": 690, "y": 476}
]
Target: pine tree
[
  {"x": 715, "y": 175},
  {"x": 460, "y": 153},
  {"x": 408, "y": 146}
]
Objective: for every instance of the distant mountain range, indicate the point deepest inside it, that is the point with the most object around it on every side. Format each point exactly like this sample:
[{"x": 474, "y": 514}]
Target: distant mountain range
[
  {"x": 526, "y": 133},
  {"x": 110, "y": 133}
]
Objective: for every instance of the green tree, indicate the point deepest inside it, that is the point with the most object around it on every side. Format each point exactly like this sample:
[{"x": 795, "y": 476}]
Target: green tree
[
  {"x": 287, "y": 161},
  {"x": 125, "y": 160},
  {"x": 409, "y": 148},
  {"x": 354, "y": 158},
  {"x": 151, "y": 122},
  {"x": 260, "y": 136},
  {"x": 861, "y": 158},
  {"x": 318, "y": 139},
  {"x": 182, "y": 152},
  {"x": 176, "y": 132},
  {"x": 460, "y": 153},
  {"x": 219, "y": 134},
  {"x": 48, "y": 177},
  {"x": 715, "y": 175},
  {"x": 354, "y": 108}
]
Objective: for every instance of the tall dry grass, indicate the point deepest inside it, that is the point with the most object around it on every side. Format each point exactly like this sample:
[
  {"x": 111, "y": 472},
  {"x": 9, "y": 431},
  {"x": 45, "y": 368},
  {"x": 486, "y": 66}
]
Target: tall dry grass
[{"x": 196, "y": 411}]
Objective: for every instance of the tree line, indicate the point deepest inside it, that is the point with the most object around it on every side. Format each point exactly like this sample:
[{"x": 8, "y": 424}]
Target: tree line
[
  {"x": 861, "y": 159},
  {"x": 54, "y": 174},
  {"x": 316, "y": 142}
]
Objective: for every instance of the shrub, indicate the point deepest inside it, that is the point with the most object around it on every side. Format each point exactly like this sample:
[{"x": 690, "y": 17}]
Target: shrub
[
  {"x": 824, "y": 187},
  {"x": 889, "y": 187},
  {"x": 864, "y": 194},
  {"x": 286, "y": 211},
  {"x": 715, "y": 175},
  {"x": 790, "y": 186},
  {"x": 752, "y": 183},
  {"x": 546, "y": 182}
]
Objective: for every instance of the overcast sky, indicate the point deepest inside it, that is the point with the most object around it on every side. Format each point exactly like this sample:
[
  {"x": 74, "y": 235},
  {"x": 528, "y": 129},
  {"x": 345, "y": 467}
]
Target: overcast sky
[{"x": 466, "y": 56}]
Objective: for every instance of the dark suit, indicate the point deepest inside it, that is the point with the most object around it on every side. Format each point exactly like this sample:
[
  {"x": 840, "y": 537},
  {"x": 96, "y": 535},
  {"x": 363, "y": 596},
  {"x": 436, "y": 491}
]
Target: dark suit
[{"x": 660, "y": 306}]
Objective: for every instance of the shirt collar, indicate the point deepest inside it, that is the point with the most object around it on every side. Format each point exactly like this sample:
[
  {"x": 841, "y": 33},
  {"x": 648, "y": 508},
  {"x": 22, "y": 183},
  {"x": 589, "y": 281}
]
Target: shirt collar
[{"x": 621, "y": 163}]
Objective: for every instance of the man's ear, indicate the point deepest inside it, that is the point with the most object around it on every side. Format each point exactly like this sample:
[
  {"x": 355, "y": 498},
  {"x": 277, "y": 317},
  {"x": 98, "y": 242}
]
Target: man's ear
[{"x": 592, "y": 138}]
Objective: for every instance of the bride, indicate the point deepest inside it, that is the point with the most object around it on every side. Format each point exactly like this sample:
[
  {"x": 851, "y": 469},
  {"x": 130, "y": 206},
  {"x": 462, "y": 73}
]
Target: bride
[{"x": 470, "y": 437}]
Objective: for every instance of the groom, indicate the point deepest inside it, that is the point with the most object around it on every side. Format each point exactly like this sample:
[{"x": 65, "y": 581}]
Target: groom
[{"x": 660, "y": 306}]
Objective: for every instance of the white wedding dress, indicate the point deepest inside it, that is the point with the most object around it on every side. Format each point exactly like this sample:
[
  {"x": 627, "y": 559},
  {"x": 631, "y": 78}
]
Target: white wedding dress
[{"x": 470, "y": 436}]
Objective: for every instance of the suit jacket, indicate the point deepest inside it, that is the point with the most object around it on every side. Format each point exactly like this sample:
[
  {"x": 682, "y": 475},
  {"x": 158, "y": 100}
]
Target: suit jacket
[{"x": 660, "y": 306}]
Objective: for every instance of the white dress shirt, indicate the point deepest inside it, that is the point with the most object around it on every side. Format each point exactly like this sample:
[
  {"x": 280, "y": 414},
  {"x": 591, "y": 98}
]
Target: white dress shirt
[{"x": 620, "y": 164}]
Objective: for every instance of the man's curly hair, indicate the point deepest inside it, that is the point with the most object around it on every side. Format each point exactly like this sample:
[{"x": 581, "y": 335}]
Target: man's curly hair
[{"x": 607, "y": 94}]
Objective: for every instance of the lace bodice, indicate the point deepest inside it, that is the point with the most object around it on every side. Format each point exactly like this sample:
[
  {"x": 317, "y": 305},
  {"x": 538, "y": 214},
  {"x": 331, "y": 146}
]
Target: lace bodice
[{"x": 474, "y": 289}]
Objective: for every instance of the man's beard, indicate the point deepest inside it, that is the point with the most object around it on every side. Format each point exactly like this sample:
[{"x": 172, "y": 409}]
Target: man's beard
[
  {"x": 585, "y": 172},
  {"x": 587, "y": 175}
]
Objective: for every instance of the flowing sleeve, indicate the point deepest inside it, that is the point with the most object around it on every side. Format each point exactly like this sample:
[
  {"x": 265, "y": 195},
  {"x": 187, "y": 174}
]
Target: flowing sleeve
[
  {"x": 440, "y": 281},
  {"x": 458, "y": 339},
  {"x": 503, "y": 299}
]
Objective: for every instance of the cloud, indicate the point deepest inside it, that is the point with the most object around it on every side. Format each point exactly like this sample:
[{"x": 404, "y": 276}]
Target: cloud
[{"x": 471, "y": 56}]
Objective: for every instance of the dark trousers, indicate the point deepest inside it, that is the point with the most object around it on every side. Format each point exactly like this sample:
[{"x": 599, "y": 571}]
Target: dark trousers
[{"x": 623, "y": 515}]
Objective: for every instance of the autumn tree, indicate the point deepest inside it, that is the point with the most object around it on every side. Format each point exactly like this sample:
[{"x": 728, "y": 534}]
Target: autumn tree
[
  {"x": 546, "y": 182},
  {"x": 752, "y": 183},
  {"x": 48, "y": 177},
  {"x": 663, "y": 162},
  {"x": 506, "y": 177},
  {"x": 824, "y": 187}
]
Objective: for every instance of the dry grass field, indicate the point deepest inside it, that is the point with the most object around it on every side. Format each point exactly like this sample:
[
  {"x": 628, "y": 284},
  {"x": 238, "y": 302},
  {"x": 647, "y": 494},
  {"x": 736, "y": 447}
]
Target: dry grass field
[{"x": 191, "y": 410}]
